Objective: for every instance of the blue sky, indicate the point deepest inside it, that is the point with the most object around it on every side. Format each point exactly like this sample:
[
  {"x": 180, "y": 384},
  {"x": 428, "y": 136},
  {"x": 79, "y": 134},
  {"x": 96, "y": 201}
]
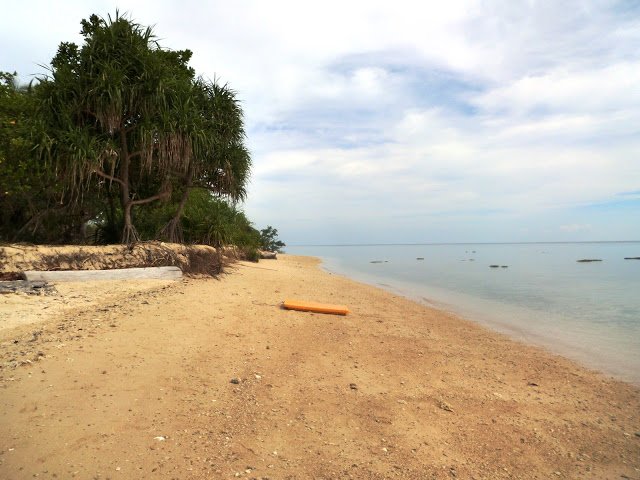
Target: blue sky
[{"x": 374, "y": 122}]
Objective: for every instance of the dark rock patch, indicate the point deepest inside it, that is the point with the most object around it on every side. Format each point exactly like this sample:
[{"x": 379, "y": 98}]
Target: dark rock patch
[{"x": 25, "y": 286}]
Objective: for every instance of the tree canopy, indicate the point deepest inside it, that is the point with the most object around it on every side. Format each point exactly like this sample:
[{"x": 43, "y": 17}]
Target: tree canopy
[
  {"x": 122, "y": 141},
  {"x": 269, "y": 240},
  {"x": 125, "y": 115},
  {"x": 29, "y": 193}
]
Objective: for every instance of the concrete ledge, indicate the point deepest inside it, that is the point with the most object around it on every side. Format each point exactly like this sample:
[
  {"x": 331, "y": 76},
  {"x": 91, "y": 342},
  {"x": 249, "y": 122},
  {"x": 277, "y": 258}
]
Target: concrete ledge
[{"x": 147, "y": 273}]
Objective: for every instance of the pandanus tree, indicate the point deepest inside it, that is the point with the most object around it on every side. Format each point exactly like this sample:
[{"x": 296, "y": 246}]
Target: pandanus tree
[
  {"x": 125, "y": 115},
  {"x": 220, "y": 162}
]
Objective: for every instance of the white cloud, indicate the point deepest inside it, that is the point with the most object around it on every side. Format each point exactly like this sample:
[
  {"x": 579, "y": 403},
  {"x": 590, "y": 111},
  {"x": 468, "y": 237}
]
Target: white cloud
[
  {"x": 500, "y": 113},
  {"x": 604, "y": 89}
]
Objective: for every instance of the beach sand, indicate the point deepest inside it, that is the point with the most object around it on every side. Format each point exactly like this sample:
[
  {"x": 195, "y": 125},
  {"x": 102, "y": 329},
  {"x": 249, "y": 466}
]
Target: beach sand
[{"x": 134, "y": 380}]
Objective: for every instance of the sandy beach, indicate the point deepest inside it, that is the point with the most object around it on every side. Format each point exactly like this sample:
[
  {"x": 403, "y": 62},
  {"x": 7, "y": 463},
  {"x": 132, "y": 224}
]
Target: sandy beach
[{"x": 210, "y": 378}]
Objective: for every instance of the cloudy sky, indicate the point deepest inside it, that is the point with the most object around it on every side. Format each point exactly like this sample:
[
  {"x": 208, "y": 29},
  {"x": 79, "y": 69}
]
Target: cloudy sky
[{"x": 408, "y": 121}]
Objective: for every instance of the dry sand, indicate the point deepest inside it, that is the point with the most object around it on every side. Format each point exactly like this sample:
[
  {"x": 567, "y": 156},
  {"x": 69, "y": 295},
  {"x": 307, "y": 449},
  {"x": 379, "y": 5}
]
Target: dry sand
[{"x": 136, "y": 383}]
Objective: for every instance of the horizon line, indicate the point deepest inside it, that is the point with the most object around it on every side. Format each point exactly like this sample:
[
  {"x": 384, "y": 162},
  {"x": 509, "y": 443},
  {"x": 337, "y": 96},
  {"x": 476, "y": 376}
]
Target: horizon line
[{"x": 455, "y": 243}]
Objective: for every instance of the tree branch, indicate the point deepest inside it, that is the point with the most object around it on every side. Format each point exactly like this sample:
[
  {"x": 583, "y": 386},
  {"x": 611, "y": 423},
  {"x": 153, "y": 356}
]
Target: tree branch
[
  {"x": 159, "y": 196},
  {"x": 108, "y": 177},
  {"x": 130, "y": 128}
]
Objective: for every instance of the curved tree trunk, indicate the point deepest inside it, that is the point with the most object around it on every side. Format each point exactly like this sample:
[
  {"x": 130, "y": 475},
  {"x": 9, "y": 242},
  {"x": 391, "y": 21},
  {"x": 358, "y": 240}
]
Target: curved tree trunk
[{"x": 172, "y": 231}]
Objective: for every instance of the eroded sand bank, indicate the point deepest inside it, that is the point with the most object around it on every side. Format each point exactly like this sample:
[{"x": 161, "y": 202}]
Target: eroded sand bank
[{"x": 137, "y": 384}]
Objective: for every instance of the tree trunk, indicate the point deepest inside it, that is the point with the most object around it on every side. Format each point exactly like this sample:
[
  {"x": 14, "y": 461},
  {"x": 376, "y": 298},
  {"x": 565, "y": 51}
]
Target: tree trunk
[
  {"x": 112, "y": 222},
  {"x": 172, "y": 231},
  {"x": 129, "y": 232}
]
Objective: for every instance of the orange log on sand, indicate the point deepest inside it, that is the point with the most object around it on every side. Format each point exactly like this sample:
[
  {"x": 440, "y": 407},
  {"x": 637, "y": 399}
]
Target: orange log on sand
[{"x": 306, "y": 306}]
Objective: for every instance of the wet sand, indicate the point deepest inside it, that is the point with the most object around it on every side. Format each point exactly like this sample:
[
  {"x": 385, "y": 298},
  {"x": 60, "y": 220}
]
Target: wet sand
[{"x": 137, "y": 383}]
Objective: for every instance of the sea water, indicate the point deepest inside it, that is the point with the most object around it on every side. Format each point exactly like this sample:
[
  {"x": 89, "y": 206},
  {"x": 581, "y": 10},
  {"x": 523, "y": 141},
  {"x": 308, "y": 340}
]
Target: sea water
[{"x": 587, "y": 311}]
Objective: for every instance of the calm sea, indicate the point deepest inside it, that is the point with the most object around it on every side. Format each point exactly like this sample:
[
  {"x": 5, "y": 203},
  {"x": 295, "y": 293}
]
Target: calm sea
[{"x": 589, "y": 312}]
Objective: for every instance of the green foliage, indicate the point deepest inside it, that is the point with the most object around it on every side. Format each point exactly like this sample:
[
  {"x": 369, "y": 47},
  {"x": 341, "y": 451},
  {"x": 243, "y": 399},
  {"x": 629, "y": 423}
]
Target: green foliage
[
  {"x": 122, "y": 113},
  {"x": 216, "y": 222},
  {"x": 249, "y": 253},
  {"x": 206, "y": 220},
  {"x": 16, "y": 161},
  {"x": 269, "y": 240},
  {"x": 122, "y": 142},
  {"x": 31, "y": 201}
]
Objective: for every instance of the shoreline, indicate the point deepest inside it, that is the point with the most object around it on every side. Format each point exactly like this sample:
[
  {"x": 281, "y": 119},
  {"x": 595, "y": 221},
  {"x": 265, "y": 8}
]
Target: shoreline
[
  {"x": 395, "y": 389},
  {"x": 477, "y": 310}
]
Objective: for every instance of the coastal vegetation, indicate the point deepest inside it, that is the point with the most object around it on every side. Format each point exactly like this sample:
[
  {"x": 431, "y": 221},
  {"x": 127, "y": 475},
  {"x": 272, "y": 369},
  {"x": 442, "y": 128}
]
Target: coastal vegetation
[
  {"x": 122, "y": 142},
  {"x": 269, "y": 240}
]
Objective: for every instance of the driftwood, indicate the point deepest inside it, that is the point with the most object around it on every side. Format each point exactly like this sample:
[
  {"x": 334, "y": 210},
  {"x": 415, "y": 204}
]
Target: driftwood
[
  {"x": 147, "y": 273},
  {"x": 264, "y": 255}
]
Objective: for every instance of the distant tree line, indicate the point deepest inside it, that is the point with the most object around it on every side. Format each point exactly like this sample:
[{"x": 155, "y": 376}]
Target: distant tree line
[{"x": 121, "y": 142}]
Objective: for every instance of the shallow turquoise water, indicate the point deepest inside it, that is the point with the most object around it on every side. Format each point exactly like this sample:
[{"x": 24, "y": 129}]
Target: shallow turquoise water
[{"x": 586, "y": 311}]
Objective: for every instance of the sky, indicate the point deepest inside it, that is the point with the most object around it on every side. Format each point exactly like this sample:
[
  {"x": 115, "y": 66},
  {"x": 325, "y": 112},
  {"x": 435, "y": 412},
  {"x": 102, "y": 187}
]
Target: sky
[{"x": 408, "y": 121}]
